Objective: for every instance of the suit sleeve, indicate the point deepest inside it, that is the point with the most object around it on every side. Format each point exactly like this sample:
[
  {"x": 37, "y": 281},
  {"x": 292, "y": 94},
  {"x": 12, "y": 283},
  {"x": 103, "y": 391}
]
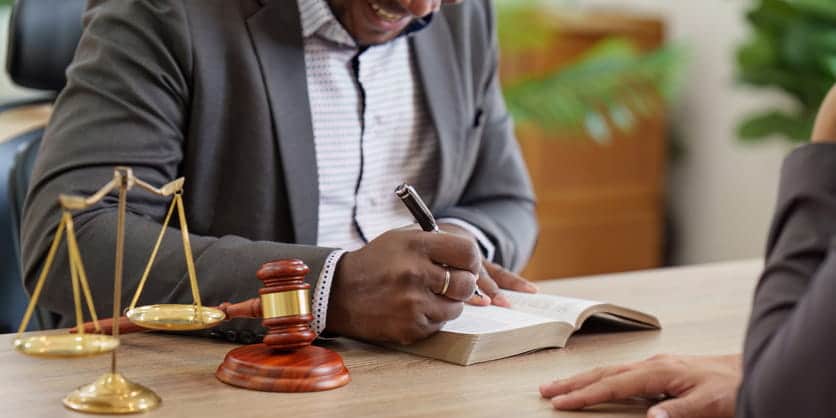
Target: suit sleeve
[
  {"x": 499, "y": 198},
  {"x": 788, "y": 355},
  {"x": 126, "y": 103}
]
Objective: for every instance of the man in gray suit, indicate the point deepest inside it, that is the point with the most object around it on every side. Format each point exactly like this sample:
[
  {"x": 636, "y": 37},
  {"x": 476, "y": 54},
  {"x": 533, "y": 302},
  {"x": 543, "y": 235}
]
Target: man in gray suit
[{"x": 237, "y": 96}]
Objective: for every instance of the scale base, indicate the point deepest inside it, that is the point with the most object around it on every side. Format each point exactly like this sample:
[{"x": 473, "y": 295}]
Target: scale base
[
  {"x": 260, "y": 367},
  {"x": 111, "y": 393}
]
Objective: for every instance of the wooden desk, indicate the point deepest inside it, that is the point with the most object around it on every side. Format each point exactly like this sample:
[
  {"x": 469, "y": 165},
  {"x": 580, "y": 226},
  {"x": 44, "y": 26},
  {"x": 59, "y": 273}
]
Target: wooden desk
[
  {"x": 17, "y": 121},
  {"x": 703, "y": 310}
]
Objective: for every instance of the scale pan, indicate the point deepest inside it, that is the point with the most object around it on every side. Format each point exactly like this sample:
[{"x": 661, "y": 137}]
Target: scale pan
[
  {"x": 175, "y": 317},
  {"x": 66, "y": 345}
]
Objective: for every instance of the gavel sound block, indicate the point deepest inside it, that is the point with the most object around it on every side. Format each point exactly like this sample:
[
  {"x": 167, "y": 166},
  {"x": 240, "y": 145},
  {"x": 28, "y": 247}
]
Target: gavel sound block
[{"x": 286, "y": 361}]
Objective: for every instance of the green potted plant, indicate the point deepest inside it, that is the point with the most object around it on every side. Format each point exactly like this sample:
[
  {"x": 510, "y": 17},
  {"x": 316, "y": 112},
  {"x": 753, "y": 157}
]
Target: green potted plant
[
  {"x": 792, "y": 48},
  {"x": 588, "y": 92},
  {"x": 610, "y": 86}
]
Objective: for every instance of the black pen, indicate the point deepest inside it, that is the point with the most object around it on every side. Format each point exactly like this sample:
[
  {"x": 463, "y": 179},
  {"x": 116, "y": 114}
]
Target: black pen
[
  {"x": 419, "y": 211},
  {"x": 417, "y": 207}
]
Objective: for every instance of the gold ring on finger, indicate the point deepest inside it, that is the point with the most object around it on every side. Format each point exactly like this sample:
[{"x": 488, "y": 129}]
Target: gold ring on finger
[{"x": 446, "y": 282}]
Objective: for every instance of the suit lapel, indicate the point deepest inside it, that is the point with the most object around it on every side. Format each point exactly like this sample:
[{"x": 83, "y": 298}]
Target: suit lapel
[
  {"x": 442, "y": 87},
  {"x": 277, "y": 37}
]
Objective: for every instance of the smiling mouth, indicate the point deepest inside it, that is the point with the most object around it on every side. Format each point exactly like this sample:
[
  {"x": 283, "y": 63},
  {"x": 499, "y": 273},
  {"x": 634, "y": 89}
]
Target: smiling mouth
[{"x": 383, "y": 13}]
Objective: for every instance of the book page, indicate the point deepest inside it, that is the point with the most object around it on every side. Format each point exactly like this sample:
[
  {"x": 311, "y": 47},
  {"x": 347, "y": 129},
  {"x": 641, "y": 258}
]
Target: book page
[
  {"x": 559, "y": 308},
  {"x": 490, "y": 319}
]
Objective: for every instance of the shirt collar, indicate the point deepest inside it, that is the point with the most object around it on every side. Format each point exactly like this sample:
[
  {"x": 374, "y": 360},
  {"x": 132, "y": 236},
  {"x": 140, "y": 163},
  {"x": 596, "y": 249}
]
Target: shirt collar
[{"x": 318, "y": 19}]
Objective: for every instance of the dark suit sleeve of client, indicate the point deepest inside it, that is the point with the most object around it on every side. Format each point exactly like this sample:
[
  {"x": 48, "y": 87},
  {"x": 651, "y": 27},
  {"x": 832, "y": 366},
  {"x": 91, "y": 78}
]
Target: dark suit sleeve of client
[
  {"x": 788, "y": 358},
  {"x": 127, "y": 103}
]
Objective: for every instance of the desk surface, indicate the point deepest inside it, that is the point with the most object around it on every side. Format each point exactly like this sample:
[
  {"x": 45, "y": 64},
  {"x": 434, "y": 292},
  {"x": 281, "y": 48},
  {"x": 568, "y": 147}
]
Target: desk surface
[
  {"x": 703, "y": 310},
  {"x": 19, "y": 120}
]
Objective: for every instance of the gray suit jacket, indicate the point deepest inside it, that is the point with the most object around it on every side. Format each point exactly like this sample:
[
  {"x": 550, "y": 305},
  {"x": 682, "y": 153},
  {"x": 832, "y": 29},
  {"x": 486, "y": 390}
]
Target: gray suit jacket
[
  {"x": 215, "y": 90},
  {"x": 788, "y": 364}
]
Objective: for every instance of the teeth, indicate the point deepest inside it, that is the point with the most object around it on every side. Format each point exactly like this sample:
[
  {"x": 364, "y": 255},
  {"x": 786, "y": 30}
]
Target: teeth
[{"x": 383, "y": 13}]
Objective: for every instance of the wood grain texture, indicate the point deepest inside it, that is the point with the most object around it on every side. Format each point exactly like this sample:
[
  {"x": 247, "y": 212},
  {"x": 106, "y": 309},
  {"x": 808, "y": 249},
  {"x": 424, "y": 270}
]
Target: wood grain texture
[
  {"x": 259, "y": 367},
  {"x": 250, "y": 308},
  {"x": 703, "y": 311},
  {"x": 292, "y": 331},
  {"x": 17, "y": 121},
  {"x": 286, "y": 362}
]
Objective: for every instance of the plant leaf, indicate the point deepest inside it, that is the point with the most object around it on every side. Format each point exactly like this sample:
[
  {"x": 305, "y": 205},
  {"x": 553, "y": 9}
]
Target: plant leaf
[
  {"x": 793, "y": 48},
  {"x": 775, "y": 122},
  {"x": 611, "y": 83}
]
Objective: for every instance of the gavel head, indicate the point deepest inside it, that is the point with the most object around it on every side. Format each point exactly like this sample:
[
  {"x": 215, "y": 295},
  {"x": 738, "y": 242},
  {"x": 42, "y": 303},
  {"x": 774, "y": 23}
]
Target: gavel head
[
  {"x": 286, "y": 304},
  {"x": 286, "y": 362}
]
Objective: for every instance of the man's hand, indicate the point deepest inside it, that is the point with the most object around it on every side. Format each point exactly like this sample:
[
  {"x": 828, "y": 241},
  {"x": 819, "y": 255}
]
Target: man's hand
[
  {"x": 388, "y": 290},
  {"x": 702, "y": 386},
  {"x": 492, "y": 276}
]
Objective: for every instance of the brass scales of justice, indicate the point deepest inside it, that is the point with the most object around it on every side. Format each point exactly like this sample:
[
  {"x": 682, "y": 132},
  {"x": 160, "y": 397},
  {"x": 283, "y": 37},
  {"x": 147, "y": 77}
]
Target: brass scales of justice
[{"x": 285, "y": 362}]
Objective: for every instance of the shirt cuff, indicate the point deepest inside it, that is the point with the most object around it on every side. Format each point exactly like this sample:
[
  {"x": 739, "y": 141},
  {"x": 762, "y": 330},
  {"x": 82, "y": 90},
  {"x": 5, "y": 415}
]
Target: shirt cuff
[
  {"x": 322, "y": 291},
  {"x": 487, "y": 247}
]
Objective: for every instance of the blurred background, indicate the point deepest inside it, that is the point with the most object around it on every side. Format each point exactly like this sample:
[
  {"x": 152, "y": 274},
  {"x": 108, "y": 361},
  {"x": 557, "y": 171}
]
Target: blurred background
[{"x": 654, "y": 130}]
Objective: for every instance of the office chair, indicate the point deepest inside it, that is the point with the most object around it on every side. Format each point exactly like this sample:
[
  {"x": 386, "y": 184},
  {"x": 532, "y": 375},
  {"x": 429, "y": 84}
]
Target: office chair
[
  {"x": 43, "y": 35},
  {"x": 13, "y": 299}
]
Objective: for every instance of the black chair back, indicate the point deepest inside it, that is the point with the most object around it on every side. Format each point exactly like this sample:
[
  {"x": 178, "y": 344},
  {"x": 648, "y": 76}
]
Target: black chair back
[
  {"x": 43, "y": 35},
  {"x": 13, "y": 300},
  {"x": 19, "y": 175}
]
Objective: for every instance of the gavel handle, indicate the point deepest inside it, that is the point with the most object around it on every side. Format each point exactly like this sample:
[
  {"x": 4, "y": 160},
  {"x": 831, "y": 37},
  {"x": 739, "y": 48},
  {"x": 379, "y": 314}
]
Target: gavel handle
[
  {"x": 125, "y": 326},
  {"x": 250, "y": 308}
]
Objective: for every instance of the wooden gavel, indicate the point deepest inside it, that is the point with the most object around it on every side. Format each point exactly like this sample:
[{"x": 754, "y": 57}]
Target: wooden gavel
[{"x": 286, "y": 361}]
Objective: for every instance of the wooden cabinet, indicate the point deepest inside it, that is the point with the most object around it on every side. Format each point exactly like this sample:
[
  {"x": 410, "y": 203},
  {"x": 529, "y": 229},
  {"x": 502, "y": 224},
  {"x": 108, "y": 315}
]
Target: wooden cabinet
[{"x": 600, "y": 206}]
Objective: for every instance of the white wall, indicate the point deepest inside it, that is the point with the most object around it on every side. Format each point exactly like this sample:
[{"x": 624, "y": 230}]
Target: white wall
[{"x": 722, "y": 191}]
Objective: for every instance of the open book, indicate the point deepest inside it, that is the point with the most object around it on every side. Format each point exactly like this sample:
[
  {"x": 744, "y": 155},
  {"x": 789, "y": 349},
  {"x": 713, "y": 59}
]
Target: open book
[{"x": 535, "y": 321}]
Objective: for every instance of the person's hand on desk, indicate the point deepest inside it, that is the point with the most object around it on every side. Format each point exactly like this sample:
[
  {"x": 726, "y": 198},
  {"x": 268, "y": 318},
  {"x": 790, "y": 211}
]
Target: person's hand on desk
[
  {"x": 393, "y": 289},
  {"x": 701, "y": 386},
  {"x": 492, "y": 276}
]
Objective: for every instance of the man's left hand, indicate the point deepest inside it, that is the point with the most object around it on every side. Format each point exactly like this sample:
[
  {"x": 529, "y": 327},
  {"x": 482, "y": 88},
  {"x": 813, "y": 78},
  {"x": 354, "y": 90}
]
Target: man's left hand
[
  {"x": 492, "y": 276},
  {"x": 698, "y": 386}
]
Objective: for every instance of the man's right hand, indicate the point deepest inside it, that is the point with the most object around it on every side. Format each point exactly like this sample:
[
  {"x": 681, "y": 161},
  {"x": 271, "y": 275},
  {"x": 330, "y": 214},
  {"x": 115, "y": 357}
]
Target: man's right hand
[{"x": 388, "y": 290}]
